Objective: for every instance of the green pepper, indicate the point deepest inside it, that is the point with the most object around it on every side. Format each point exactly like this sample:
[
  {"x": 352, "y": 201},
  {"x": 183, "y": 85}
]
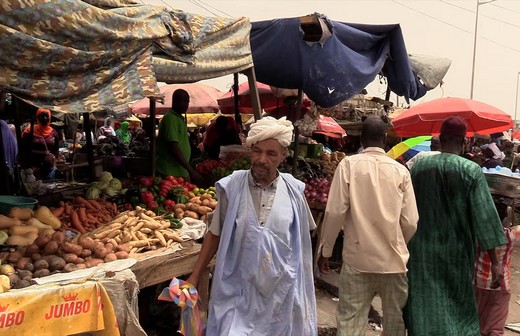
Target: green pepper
[{"x": 175, "y": 225}]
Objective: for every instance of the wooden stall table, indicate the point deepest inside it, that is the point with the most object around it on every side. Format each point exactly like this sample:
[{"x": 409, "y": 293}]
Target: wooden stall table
[{"x": 155, "y": 267}]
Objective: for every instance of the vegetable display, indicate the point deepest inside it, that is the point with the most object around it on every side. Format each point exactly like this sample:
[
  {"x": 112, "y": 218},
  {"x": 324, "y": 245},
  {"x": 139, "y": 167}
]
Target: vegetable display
[{"x": 82, "y": 215}]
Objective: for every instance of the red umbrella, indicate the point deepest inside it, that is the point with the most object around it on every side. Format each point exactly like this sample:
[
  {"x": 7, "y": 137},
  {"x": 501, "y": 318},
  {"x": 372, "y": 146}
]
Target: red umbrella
[
  {"x": 426, "y": 118},
  {"x": 267, "y": 99},
  {"x": 329, "y": 127},
  {"x": 203, "y": 99}
]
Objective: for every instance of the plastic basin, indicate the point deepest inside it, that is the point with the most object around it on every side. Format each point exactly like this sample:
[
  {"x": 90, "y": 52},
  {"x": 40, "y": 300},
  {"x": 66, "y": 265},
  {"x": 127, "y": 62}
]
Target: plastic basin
[{"x": 7, "y": 202}]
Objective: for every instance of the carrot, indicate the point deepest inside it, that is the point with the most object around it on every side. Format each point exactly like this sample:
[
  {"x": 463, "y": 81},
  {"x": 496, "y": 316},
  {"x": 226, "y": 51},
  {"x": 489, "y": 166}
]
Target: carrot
[
  {"x": 91, "y": 217},
  {"x": 82, "y": 214},
  {"x": 95, "y": 204},
  {"x": 76, "y": 223},
  {"x": 68, "y": 208},
  {"x": 80, "y": 200},
  {"x": 58, "y": 211}
]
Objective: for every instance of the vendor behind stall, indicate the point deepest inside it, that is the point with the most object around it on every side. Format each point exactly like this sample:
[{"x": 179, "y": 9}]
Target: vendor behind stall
[
  {"x": 40, "y": 148},
  {"x": 122, "y": 133},
  {"x": 173, "y": 145},
  {"x": 106, "y": 130},
  {"x": 222, "y": 132}
]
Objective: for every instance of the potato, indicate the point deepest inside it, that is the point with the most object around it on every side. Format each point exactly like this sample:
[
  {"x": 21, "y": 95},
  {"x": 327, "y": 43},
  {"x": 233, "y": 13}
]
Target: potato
[
  {"x": 42, "y": 240},
  {"x": 41, "y": 273},
  {"x": 70, "y": 257},
  {"x": 110, "y": 257},
  {"x": 109, "y": 247},
  {"x": 31, "y": 249},
  {"x": 124, "y": 248},
  {"x": 13, "y": 279},
  {"x": 79, "y": 261},
  {"x": 20, "y": 265},
  {"x": 93, "y": 262},
  {"x": 14, "y": 257},
  {"x": 70, "y": 267},
  {"x": 51, "y": 248},
  {"x": 23, "y": 274},
  {"x": 204, "y": 210},
  {"x": 3, "y": 256},
  {"x": 122, "y": 255},
  {"x": 85, "y": 253},
  {"x": 56, "y": 264},
  {"x": 191, "y": 214},
  {"x": 29, "y": 267},
  {"x": 36, "y": 257},
  {"x": 41, "y": 264},
  {"x": 100, "y": 252},
  {"x": 86, "y": 242},
  {"x": 22, "y": 284},
  {"x": 58, "y": 236},
  {"x": 71, "y": 248},
  {"x": 6, "y": 269},
  {"x": 81, "y": 266}
]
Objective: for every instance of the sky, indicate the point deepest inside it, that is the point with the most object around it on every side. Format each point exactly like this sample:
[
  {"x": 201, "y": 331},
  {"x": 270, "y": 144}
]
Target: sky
[{"x": 443, "y": 28}]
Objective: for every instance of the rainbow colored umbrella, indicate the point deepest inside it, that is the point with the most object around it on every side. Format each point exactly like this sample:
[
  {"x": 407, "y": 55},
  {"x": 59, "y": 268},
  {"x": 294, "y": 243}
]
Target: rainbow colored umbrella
[{"x": 406, "y": 145}]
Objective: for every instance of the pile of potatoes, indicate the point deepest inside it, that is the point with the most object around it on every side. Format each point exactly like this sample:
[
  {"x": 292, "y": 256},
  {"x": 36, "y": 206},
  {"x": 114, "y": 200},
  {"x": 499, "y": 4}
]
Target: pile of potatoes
[
  {"x": 197, "y": 207},
  {"x": 56, "y": 253}
]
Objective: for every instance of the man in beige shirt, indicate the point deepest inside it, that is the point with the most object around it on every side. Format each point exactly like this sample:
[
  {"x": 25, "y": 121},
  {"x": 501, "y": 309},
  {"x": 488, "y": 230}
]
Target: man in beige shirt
[{"x": 372, "y": 199}]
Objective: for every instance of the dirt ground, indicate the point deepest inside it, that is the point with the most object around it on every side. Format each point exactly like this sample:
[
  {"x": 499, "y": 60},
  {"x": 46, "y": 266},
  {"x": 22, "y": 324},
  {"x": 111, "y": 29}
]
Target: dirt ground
[{"x": 327, "y": 304}]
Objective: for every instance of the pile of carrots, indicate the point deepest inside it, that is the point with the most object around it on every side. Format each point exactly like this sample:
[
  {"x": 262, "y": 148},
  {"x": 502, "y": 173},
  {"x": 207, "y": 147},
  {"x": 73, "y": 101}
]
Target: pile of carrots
[{"x": 83, "y": 215}]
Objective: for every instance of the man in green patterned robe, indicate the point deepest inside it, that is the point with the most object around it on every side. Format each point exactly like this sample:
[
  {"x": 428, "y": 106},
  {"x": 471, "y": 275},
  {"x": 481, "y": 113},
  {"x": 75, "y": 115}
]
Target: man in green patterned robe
[{"x": 456, "y": 211}]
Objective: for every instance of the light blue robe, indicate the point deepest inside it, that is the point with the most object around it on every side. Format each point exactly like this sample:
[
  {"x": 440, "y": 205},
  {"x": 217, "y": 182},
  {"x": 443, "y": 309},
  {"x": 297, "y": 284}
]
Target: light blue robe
[{"x": 263, "y": 285}]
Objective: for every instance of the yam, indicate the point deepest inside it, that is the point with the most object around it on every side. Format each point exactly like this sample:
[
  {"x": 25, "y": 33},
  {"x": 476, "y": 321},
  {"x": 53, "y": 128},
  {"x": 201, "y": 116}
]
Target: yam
[
  {"x": 180, "y": 206},
  {"x": 23, "y": 230},
  {"x": 204, "y": 210},
  {"x": 37, "y": 223}
]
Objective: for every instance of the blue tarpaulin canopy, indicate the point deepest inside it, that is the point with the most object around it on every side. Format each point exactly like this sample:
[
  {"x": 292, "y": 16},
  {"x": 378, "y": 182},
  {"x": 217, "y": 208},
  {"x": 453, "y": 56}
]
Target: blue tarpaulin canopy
[{"x": 334, "y": 70}]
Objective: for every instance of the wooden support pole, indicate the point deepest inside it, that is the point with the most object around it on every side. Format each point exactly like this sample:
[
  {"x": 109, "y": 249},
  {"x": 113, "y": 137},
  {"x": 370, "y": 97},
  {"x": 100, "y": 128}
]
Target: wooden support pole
[
  {"x": 297, "y": 131},
  {"x": 153, "y": 142},
  {"x": 238, "y": 117},
  {"x": 90, "y": 148},
  {"x": 253, "y": 91}
]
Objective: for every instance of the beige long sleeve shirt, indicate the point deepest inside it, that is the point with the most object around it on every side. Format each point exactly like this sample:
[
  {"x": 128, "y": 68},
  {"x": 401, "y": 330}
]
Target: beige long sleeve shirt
[{"x": 372, "y": 198}]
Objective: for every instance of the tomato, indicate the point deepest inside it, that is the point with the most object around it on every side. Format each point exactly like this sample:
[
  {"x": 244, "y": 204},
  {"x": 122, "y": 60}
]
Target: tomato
[
  {"x": 171, "y": 178},
  {"x": 180, "y": 180}
]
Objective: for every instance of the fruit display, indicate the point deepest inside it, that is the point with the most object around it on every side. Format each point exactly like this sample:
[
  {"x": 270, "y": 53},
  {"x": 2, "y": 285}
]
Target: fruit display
[
  {"x": 317, "y": 190},
  {"x": 330, "y": 162},
  {"x": 220, "y": 169}
]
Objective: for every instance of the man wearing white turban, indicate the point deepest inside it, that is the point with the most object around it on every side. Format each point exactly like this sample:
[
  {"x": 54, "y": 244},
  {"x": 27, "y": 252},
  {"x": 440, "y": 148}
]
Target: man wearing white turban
[{"x": 263, "y": 279}]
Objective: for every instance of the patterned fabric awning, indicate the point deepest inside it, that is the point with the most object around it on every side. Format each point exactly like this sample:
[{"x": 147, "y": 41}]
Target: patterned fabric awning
[{"x": 76, "y": 56}]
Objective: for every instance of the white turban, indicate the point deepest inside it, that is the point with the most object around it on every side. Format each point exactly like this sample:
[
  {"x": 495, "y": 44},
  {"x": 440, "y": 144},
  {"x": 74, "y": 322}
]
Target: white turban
[{"x": 271, "y": 128}]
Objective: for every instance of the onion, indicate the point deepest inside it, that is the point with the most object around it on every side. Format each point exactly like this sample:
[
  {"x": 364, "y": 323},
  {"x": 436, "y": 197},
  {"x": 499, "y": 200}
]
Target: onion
[{"x": 313, "y": 194}]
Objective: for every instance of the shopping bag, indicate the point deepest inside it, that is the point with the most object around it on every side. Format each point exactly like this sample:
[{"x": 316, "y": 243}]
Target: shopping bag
[{"x": 185, "y": 295}]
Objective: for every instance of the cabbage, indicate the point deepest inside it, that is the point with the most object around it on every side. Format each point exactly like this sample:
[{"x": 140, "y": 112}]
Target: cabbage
[
  {"x": 101, "y": 185},
  {"x": 93, "y": 193},
  {"x": 115, "y": 184},
  {"x": 105, "y": 176},
  {"x": 110, "y": 192}
]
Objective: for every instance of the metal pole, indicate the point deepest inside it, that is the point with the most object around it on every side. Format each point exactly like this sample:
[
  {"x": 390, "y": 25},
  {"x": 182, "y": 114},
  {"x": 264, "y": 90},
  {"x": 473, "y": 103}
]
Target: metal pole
[
  {"x": 253, "y": 91},
  {"x": 238, "y": 117},
  {"x": 475, "y": 47},
  {"x": 516, "y": 100}
]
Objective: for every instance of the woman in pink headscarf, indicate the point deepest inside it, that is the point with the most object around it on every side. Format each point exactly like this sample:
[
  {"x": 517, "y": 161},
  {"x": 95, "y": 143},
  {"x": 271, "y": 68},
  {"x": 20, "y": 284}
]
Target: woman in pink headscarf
[{"x": 41, "y": 146}]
